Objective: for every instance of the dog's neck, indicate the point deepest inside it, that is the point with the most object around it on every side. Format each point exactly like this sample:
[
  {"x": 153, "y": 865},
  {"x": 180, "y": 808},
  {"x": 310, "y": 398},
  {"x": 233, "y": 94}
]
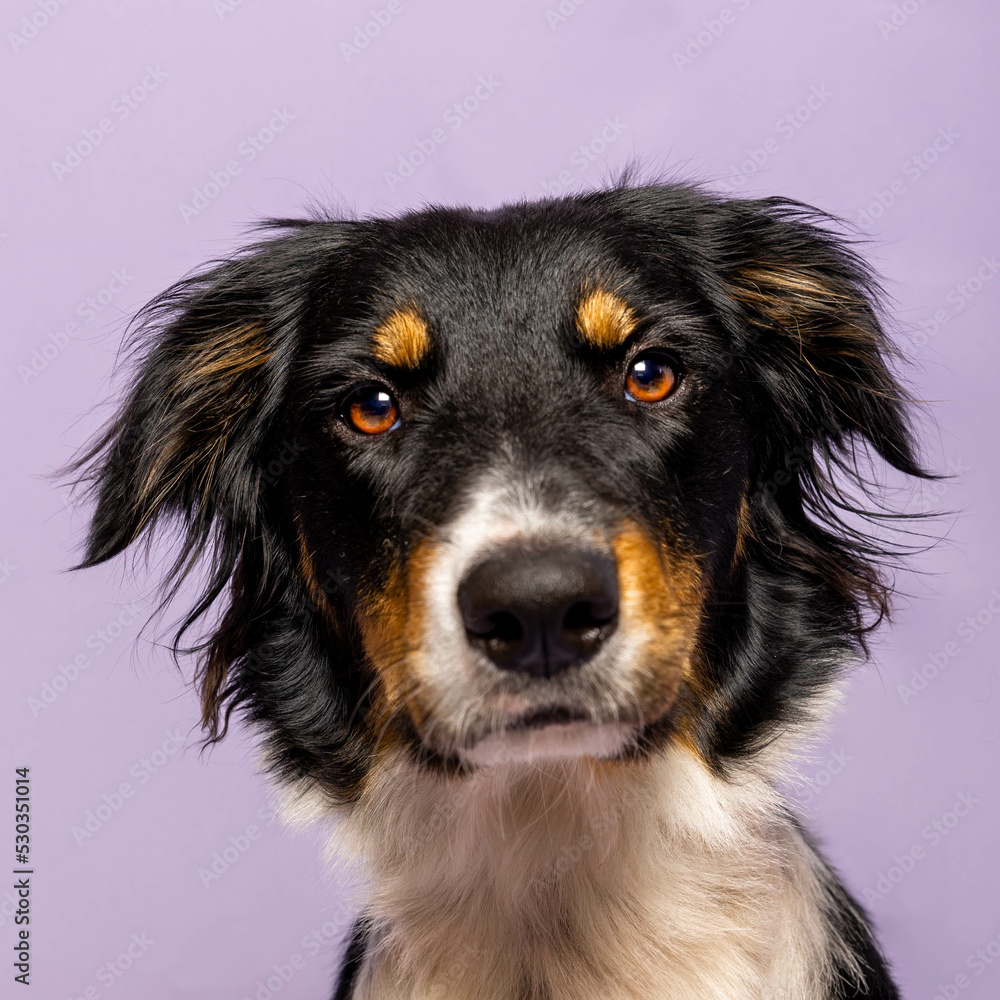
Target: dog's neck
[{"x": 561, "y": 880}]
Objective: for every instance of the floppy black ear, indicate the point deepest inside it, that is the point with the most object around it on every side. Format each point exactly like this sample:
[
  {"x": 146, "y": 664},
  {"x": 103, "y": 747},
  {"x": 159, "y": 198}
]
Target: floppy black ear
[
  {"x": 189, "y": 441},
  {"x": 812, "y": 308},
  {"x": 184, "y": 440},
  {"x": 804, "y": 313}
]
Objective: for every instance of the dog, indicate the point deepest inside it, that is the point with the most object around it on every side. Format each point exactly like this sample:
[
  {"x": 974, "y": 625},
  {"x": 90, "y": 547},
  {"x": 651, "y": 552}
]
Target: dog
[{"x": 530, "y": 554}]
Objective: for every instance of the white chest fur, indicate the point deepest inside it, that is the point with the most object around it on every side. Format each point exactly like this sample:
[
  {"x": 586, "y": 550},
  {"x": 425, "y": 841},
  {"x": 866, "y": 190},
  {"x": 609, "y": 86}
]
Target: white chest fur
[{"x": 563, "y": 880}]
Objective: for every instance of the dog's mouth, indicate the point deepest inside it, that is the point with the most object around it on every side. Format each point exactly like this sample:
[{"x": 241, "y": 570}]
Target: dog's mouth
[
  {"x": 547, "y": 733},
  {"x": 552, "y": 716}
]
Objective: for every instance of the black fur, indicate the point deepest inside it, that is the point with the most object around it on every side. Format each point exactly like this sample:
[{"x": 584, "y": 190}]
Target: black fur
[
  {"x": 356, "y": 946},
  {"x": 786, "y": 388}
]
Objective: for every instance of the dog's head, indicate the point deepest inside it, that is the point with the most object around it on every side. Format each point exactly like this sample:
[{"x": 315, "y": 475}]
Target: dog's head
[{"x": 551, "y": 480}]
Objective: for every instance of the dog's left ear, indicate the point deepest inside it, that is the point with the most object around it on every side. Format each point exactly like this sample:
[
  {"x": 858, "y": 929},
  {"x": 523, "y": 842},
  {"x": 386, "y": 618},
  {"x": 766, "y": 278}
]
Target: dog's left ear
[
  {"x": 805, "y": 311},
  {"x": 814, "y": 365}
]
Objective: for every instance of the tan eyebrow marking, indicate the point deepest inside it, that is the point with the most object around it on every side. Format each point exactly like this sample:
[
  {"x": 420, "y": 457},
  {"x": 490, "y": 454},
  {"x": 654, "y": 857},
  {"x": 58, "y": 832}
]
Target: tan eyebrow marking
[
  {"x": 402, "y": 339},
  {"x": 604, "y": 319}
]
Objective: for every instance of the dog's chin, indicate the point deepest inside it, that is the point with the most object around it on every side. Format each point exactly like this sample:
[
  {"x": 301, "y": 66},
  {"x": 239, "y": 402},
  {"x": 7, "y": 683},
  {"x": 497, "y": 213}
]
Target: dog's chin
[{"x": 553, "y": 740}]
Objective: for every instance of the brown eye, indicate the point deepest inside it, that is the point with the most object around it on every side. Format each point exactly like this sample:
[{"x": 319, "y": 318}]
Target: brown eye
[
  {"x": 652, "y": 376},
  {"x": 371, "y": 409}
]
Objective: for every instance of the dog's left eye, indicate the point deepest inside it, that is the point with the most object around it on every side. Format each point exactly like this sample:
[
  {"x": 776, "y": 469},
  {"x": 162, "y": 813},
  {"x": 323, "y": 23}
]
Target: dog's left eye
[
  {"x": 652, "y": 376},
  {"x": 371, "y": 409}
]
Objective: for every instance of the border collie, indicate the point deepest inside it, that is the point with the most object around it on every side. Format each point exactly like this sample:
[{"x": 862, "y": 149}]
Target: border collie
[{"x": 531, "y": 553}]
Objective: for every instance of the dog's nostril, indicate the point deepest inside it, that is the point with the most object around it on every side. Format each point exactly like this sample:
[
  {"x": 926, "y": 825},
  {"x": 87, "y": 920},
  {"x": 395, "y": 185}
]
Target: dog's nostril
[
  {"x": 540, "y": 612},
  {"x": 586, "y": 624},
  {"x": 588, "y": 615},
  {"x": 497, "y": 627}
]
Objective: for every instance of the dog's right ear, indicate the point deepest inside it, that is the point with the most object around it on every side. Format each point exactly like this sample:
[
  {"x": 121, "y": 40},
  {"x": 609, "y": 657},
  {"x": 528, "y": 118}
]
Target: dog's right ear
[
  {"x": 189, "y": 443},
  {"x": 211, "y": 356}
]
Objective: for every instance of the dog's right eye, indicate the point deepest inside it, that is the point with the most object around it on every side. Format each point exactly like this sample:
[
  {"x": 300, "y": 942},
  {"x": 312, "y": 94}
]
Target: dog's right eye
[
  {"x": 651, "y": 377},
  {"x": 371, "y": 409}
]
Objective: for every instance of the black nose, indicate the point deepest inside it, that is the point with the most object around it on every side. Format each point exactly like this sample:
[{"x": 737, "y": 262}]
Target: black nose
[{"x": 540, "y": 611}]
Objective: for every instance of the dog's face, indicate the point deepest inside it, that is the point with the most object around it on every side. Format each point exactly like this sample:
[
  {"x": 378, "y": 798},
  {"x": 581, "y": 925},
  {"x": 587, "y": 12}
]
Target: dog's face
[
  {"x": 494, "y": 486},
  {"x": 504, "y": 479}
]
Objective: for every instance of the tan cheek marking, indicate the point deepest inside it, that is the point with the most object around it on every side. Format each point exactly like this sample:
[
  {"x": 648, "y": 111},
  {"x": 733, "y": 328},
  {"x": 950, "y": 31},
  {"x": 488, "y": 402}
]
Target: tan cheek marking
[
  {"x": 403, "y": 339},
  {"x": 661, "y": 603},
  {"x": 393, "y": 621},
  {"x": 604, "y": 319}
]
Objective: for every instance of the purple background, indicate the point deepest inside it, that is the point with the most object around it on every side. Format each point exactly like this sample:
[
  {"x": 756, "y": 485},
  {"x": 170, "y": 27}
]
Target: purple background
[{"x": 570, "y": 99}]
